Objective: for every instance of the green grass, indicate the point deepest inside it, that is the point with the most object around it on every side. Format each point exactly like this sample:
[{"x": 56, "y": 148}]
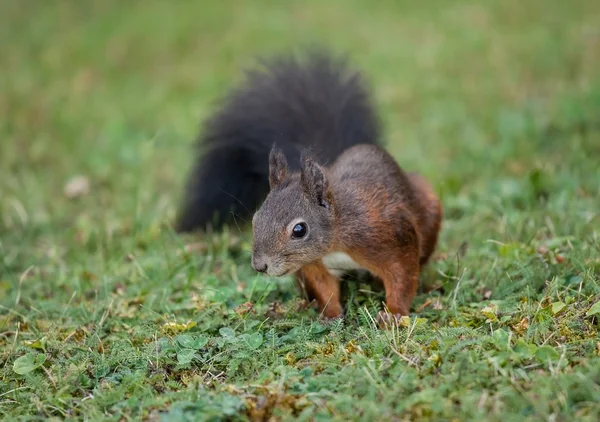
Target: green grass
[{"x": 496, "y": 102}]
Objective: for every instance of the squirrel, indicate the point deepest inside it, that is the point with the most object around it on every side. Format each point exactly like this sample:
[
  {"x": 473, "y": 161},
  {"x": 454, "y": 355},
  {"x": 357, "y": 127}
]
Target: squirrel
[{"x": 299, "y": 140}]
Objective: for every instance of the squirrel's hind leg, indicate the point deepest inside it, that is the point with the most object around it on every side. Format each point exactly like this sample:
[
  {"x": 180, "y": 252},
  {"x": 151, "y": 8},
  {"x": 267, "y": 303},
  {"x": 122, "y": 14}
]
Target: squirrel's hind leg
[
  {"x": 395, "y": 263},
  {"x": 400, "y": 280},
  {"x": 321, "y": 285},
  {"x": 430, "y": 216}
]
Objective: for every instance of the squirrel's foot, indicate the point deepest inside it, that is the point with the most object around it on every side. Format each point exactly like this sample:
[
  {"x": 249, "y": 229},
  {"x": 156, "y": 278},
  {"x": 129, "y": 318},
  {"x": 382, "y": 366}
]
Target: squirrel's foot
[
  {"x": 388, "y": 320},
  {"x": 332, "y": 319},
  {"x": 332, "y": 313},
  {"x": 325, "y": 315}
]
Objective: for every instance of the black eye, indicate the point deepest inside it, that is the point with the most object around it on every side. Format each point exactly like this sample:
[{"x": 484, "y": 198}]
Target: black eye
[{"x": 299, "y": 230}]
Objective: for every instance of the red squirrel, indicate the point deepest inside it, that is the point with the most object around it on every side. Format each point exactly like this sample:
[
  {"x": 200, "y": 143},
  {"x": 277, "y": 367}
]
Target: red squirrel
[
  {"x": 361, "y": 212},
  {"x": 333, "y": 199}
]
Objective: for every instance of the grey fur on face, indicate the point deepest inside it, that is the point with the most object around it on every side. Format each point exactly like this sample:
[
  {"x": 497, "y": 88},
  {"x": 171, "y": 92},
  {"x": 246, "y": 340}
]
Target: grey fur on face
[{"x": 298, "y": 198}]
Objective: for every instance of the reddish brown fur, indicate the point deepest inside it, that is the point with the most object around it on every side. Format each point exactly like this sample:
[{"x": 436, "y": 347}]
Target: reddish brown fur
[
  {"x": 387, "y": 221},
  {"x": 323, "y": 286},
  {"x": 430, "y": 220}
]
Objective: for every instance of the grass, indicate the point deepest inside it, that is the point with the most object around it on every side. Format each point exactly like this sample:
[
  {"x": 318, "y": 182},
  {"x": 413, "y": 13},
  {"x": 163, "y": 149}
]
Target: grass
[{"x": 106, "y": 314}]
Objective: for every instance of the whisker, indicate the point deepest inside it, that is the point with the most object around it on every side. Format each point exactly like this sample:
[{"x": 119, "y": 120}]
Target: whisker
[
  {"x": 241, "y": 203},
  {"x": 235, "y": 221}
]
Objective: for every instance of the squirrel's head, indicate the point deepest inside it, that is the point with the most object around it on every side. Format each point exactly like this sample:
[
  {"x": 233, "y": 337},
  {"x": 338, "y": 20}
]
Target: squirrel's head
[{"x": 294, "y": 226}]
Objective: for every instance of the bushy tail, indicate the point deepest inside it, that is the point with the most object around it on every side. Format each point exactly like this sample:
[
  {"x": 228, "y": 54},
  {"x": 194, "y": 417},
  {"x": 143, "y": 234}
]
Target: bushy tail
[{"x": 315, "y": 103}]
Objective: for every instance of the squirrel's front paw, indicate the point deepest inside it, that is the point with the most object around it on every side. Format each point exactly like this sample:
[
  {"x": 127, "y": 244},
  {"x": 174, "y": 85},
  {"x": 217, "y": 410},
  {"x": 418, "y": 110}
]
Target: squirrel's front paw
[
  {"x": 331, "y": 319},
  {"x": 331, "y": 311},
  {"x": 388, "y": 320}
]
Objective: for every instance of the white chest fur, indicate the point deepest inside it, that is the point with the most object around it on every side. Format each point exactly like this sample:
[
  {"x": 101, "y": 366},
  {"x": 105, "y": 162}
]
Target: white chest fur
[{"x": 338, "y": 263}]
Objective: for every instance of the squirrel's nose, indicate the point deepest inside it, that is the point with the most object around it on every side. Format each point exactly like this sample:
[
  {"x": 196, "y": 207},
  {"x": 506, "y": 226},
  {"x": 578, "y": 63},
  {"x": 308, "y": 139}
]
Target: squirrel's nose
[
  {"x": 260, "y": 266},
  {"x": 261, "y": 269}
]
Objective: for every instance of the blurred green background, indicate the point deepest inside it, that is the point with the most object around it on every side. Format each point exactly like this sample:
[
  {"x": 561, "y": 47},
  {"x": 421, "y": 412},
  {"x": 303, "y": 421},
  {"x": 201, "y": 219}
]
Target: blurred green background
[{"x": 496, "y": 102}]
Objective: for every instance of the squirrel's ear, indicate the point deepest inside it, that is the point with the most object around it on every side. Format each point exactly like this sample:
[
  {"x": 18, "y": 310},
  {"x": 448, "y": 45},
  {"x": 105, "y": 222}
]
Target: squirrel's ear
[
  {"x": 278, "y": 167},
  {"x": 314, "y": 182}
]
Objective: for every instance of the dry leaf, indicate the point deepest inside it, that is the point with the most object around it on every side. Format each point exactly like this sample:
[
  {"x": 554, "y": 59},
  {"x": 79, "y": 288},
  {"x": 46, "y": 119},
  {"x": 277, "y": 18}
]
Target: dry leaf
[
  {"x": 522, "y": 326},
  {"x": 424, "y": 305},
  {"x": 560, "y": 259},
  {"x": 76, "y": 187},
  {"x": 200, "y": 247},
  {"x": 274, "y": 311},
  {"x": 245, "y": 308}
]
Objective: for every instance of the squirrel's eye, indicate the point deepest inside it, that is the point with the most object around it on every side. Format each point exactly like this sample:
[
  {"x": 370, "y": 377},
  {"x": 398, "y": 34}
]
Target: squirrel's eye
[{"x": 299, "y": 230}]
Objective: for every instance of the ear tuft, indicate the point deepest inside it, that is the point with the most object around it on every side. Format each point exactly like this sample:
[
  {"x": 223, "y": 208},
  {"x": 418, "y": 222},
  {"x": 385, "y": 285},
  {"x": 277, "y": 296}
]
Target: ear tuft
[
  {"x": 278, "y": 167},
  {"x": 314, "y": 182}
]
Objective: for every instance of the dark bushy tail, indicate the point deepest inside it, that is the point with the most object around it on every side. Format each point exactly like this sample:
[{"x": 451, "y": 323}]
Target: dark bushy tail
[{"x": 315, "y": 103}]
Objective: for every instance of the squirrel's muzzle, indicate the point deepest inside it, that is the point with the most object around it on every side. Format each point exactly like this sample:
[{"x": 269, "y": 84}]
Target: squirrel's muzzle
[{"x": 259, "y": 264}]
